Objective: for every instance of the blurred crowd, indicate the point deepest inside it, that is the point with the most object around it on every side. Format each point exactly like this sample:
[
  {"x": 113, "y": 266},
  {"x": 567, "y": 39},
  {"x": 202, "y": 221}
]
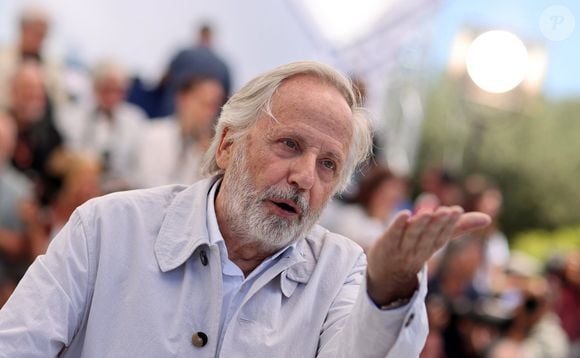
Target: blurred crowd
[
  {"x": 68, "y": 135},
  {"x": 62, "y": 143}
]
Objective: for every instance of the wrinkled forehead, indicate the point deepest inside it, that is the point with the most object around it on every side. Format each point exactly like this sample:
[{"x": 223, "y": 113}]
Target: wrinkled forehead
[
  {"x": 344, "y": 89},
  {"x": 315, "y": 95}
]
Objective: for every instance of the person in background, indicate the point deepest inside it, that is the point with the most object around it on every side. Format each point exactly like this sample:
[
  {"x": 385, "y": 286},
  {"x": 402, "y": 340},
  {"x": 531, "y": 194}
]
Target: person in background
[
  {"x": 172, "y": 147},
  {"x": 81, "y": 173},
  {"x": 430, "y": 187},
  {"x": 564, "y": 278},
  {"x": 6, "y": 287},
  {"x": 110, "y": 130},
  {"x": 505, "y": 348},
  {"x": 379, "y": 198},
  {"x": 535, "y": 326},
  {"x": 16, "y": 192},
  {"x": 438, "y": 316},
  {"x": 487, "y": 198},
  {"x": 14, "y": 186},
  {"x": 451, "y": 293},
  {"x": 439, "y": 186},
  {"x": 34, "y": 25},
  {"x": 451, "y": 191},
  {"x": 38, "y": 140},
  {"x": 200, "y": 60}
]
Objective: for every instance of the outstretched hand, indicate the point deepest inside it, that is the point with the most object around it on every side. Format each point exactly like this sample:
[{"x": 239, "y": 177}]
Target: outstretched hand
[{"x": 396, "y": 258}]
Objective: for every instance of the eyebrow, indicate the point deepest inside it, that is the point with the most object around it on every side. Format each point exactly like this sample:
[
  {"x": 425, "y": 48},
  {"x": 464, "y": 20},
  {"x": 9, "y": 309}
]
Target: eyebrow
[{"x": 290, "y": 132}]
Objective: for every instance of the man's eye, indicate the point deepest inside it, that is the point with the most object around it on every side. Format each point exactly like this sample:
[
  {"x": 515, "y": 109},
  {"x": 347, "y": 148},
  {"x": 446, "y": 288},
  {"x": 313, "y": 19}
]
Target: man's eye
[
  {"x": 329, "y": 164},
  {"x": 290, "y": 143}
]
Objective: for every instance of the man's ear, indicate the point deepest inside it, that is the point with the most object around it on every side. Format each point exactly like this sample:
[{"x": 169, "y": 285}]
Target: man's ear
[{"x": 224, "y": 150}]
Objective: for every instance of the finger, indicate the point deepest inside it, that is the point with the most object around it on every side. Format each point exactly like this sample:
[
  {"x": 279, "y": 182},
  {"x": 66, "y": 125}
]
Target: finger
[
  {"x": 415, "y": 228},
  {"x": 397, "y": 227},
  {"x": 439, "y": 231},
  {"x": 470, "y": 222},
  {"x": 446, "y": 233},
  {"x": 433, "y": 231},
  {"x": 403, "y": 215}
]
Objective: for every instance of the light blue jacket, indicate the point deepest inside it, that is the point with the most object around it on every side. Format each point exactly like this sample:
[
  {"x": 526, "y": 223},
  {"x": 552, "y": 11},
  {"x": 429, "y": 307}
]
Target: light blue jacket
[{"x": 133, "y": 275}]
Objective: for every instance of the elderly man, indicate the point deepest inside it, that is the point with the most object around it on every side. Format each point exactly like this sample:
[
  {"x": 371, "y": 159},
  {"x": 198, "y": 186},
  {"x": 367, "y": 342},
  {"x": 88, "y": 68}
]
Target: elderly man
[
  {"x": 110, "y": 129},
  {"x": 234, "y": 265},
  {"x": 38, "y": 141}
]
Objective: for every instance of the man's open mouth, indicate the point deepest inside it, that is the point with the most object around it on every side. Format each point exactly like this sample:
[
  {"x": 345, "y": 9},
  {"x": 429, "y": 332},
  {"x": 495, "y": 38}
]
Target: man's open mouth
[{"x": 287, "y": 206}]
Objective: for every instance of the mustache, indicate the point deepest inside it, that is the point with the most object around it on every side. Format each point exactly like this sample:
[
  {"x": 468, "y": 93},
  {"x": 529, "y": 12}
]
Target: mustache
[{"x": 287, "y": 193}]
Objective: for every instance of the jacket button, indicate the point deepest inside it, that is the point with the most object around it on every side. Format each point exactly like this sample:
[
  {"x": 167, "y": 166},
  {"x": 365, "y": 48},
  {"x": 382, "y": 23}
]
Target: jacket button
[
  {"x": 410, "y": 320},
  {"x": 203, "y": 257},
  {"x": 199, "y": 339}
]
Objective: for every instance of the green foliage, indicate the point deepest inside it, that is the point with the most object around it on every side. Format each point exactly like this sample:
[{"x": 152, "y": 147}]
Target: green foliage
[
  {"x": 534, "y": 157},
  {"x": 543, "y": 244}
]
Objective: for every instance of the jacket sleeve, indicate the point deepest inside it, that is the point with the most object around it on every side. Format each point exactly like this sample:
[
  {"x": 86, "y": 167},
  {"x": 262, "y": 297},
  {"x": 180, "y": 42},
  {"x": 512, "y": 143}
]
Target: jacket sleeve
[
  {"x": 43, "y": 314},
  {"x": 356, "y": 327}
]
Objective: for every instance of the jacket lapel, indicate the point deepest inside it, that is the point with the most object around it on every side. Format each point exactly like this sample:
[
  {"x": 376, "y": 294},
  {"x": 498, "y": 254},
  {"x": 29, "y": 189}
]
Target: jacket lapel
[{"x": 184, "y": 227}]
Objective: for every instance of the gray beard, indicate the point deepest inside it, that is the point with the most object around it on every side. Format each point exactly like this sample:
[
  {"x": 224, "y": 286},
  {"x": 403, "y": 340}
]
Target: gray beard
[{"x": 249, "y": 219}]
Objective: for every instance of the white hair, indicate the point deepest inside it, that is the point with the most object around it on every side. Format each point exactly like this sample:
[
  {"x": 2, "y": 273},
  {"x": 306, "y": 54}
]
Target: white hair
[
  {"x": 253, "y": 100},
  {"x": 34, "y": 14},
  {"x": 107, "y": 69}
]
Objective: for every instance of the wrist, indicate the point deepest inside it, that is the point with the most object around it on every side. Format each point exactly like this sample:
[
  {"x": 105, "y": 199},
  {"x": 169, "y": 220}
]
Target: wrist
[{"x": 395, "y": 293}]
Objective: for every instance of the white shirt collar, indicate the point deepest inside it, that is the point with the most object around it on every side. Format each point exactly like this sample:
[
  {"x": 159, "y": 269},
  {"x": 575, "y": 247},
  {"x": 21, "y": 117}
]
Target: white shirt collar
[{"x": 215, "y": 236}]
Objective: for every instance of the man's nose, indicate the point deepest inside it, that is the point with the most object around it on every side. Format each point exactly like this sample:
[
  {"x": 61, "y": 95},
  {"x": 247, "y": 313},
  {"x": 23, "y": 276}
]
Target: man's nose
[{"x": 303, "y": 171}]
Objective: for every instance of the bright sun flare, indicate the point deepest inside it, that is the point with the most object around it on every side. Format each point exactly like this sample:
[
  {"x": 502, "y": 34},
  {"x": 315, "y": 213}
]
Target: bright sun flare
[{"x": 497, "y": 61}]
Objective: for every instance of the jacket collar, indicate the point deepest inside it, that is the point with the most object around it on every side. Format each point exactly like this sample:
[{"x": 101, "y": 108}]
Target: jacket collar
[
  {"x": 307, "y": 253},
  {"x": 184, "y": 227}
]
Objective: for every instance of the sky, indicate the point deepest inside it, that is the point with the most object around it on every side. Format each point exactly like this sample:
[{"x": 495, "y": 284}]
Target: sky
[
  {"x": 522, "y": 18},
  {"x": 255, "y": 35}
]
